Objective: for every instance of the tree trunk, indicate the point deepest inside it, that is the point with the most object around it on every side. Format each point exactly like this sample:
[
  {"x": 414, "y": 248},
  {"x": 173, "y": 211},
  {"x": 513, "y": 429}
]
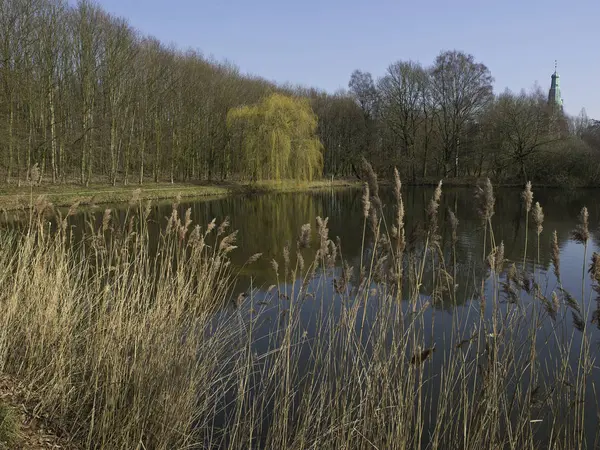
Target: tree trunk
[
  {"x": 44, "y": 147},
  {"x": 127, "y": 155},
  {"x": 113, "y": 144},
  {"x": 456, "y": 157},
  {"x": 52, "y": 129},
  {"x": 83, "y": 147},
  {"x": 157, "y": 148},
  {"x": 523, "y": 171},
  {"x": 29, "y": 143},
  {"x": 142, "y": 149},
  {"x": 173, "y": 153},
  {"x": 61, "y": 158},
  {"x": 89, "y": 152},
  {"x": 11, "y": 119}
]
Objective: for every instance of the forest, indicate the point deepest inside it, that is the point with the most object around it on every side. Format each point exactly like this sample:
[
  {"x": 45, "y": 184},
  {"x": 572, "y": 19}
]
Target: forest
[{"x": 89, "y": 99}]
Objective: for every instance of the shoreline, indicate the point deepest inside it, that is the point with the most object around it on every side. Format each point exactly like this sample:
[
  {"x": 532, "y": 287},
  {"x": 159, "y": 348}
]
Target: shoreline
[
  {"x": 15, "y": 198},
  {"x": 63, "y": 195}
]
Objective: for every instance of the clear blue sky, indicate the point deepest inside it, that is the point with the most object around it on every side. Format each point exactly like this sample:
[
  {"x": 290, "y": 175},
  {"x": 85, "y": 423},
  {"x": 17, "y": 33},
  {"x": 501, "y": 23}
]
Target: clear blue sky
[{"x": 320, "y": 42}]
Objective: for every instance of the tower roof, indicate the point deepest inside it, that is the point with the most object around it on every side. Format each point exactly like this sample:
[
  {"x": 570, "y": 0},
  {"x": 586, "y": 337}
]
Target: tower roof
[{"x": 554, "y": 97}]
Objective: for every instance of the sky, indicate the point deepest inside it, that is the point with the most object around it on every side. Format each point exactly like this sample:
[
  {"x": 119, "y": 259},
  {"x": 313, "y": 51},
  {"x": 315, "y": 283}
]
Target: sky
[{"x": 320, "y": 42}]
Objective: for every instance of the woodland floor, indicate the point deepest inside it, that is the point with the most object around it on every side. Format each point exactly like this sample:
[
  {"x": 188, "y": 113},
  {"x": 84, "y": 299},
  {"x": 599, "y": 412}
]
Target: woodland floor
[{"x": 33, "y": 431}]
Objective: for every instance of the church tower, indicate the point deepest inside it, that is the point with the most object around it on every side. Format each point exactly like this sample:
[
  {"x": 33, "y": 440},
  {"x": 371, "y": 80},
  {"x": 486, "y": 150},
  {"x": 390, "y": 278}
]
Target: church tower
[{"x": 554, "y": 98}]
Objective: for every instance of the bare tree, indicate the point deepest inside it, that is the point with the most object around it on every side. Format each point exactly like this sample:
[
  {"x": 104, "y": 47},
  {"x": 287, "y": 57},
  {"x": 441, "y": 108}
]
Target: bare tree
[
  {"x": 523, "y": 125},
  {"x": 401, "y": 93},
  {"x": 461, "y": 89}
]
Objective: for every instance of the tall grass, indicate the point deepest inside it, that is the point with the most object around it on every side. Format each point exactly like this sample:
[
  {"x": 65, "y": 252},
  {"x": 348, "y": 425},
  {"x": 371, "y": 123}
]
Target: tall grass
[{"x": 125, "y": 347}]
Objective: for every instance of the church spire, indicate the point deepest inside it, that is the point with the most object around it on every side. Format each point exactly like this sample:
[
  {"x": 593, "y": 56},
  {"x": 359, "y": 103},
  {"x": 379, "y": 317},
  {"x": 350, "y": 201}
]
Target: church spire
[{"x": 554, "y": 97}]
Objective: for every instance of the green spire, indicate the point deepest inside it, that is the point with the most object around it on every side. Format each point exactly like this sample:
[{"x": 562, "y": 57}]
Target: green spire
[{"x": 554, "y": 97}]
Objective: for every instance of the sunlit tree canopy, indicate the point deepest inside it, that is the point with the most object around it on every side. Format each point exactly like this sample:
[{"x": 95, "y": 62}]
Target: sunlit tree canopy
[{"x": 277, "y": 139}]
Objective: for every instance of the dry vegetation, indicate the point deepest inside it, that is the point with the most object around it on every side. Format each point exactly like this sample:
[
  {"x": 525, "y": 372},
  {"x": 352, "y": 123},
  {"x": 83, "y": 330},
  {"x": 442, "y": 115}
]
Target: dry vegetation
[
  {"x": 129, "y": 343},
  {"x": 14, "y": 197}
]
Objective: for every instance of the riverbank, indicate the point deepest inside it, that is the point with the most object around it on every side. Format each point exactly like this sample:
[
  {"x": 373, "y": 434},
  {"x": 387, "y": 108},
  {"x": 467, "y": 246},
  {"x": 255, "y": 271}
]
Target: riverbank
[{"x": 13, "y": 198}]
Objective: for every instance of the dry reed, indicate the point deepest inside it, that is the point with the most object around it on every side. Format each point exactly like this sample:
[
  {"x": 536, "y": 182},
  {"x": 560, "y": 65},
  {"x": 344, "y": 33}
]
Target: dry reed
[{"x": 130, "y": 349}]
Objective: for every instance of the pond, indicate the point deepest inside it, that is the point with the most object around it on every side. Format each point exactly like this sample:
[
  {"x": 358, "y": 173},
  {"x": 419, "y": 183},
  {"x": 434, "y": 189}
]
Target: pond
[
  {"x": 270, "y": 223},
  {"x": 267, "y": 223}
]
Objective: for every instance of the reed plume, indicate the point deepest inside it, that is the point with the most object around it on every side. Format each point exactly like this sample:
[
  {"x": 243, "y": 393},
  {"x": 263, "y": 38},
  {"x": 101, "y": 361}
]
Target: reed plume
[
  {"x": 499, "y": 258},
  {"x": 147, "y": 210},
  {"x": 135, "y": 197},
  {"x": 366, "y": 204},
  {"x": 286, "y": 259},
  {"x": 226, "y": 244},
  {"x": 512, "y": 282},
  {"x": 578, "y": 322},
  {"x": 366, "y": 200},
  {"x": 323, "y": 233},
  {"x": 552, "y": 306},
  {"x": 538, "y": 220},
  {"x": 527, "y": 196},
  {"x": 275, "y": 266},
  {"x": 254, "y": 258},
  {"x": 431, "y": 214},
  {"x": 581, "y": 233},
  {"x": 222, "y": 228},
  {"x": 374, "y": 200},
  {"x": 401, "y": 240},
  {"x": 300, "y": 260},
  {"x": 485, "y": 200},
  {"x": 106, "y": 220},
  {"x": 555, "y": 302},
  {"x": 304, "y": 239},
  {"x": 594, "y": 269},
  {"x": 373, "y": 184},
  {"x": 538, "y": 217},
  {"x": 484, "y": 206}
]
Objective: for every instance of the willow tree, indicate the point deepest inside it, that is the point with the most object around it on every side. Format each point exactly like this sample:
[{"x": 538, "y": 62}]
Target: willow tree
[{"x": 277, "y": 139}]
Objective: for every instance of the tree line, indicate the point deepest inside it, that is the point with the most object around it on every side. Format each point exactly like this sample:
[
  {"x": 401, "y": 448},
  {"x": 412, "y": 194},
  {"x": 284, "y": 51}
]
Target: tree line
[
  {"x": 88, "y": 98},
  {"x": 445, "y": 121}
]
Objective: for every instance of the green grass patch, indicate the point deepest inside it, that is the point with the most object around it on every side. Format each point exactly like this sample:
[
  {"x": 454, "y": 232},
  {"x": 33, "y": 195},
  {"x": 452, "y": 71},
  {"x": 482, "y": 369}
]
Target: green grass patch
[
  {"x": 9, "y": 426},
  {"x": 12, "y": 197}
]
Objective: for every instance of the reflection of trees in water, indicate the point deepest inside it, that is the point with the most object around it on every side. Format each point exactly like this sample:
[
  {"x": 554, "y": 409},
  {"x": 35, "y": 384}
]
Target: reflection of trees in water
[{"x": 267, "y": 223}]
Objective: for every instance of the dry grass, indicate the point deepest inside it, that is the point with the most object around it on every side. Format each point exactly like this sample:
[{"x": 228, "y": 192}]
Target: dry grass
[
  {"x": 134, "y": 344},
  {"x": 14, "y": 198}
]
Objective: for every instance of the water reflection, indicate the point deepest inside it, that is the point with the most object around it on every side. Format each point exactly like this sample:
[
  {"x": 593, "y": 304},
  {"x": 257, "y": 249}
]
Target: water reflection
[{"x": 269, "y": 223}]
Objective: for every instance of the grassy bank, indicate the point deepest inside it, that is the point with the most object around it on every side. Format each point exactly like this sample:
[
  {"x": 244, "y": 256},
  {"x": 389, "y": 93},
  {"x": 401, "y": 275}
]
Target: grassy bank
[
  {"x": 12, "y": 197},
  {"x": 125, "y": 349}
]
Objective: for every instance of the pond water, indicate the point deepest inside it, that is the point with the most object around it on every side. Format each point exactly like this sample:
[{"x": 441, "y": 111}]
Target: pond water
[{"x": 267, "y": 223}]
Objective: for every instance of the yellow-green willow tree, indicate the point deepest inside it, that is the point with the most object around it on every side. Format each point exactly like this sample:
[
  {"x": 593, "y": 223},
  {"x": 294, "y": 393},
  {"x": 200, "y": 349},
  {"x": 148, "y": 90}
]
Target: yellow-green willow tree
[{"x": 277, "y": 139}]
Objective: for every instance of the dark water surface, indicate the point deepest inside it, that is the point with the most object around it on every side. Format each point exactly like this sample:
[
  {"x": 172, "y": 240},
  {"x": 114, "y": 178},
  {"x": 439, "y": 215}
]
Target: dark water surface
[{"x": 266, "y": 223}]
